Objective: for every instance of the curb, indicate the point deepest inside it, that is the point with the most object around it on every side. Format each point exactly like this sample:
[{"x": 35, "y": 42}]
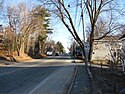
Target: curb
[{"x": 73, "y": 80}]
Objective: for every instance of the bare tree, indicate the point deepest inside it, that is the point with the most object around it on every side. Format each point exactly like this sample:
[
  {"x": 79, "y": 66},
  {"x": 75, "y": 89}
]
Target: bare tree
[
  {"x": 21, "y": 26},
  {"x": 1, "y": 4}
]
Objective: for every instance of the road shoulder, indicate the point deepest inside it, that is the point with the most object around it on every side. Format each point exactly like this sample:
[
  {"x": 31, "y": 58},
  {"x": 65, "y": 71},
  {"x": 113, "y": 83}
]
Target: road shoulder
[{"x": 56, "y": 83}]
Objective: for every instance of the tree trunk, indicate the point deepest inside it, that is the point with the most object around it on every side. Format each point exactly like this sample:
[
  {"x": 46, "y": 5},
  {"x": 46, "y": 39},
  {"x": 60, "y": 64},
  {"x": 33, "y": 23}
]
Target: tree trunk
[
  {"x": 21, "y": 51},
  {"x": 18, "y": 53},
  {"x": 43, "y": 47},
  {"x": 91, "y": 44}
]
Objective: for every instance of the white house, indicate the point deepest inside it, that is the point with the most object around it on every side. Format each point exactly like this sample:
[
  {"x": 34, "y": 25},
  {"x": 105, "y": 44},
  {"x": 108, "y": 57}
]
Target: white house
[
  {"x": 123, "y": 41},
  {"x": 106, "y": 48},
  {"x": 122, "y": 38}
]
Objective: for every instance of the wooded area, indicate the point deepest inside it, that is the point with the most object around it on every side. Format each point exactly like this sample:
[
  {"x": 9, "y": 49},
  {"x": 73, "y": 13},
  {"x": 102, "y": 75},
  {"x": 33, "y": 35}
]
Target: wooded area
[{"x": 25, "y": 31}]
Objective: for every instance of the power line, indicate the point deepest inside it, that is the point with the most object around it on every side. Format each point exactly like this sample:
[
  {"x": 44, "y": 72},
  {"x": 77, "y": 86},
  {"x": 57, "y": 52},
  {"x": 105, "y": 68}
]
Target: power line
[{"x": 76, "y": 11}]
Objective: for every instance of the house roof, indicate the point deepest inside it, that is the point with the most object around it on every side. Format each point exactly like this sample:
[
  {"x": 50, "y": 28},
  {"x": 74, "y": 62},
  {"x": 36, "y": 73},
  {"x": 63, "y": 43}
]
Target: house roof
[
  {"x": 109, "y": 38},
  {"x": 123, "y": 36}
]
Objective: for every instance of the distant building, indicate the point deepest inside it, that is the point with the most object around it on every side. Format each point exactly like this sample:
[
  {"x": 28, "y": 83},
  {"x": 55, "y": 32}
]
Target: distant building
[{"x": 78, "y": 51}]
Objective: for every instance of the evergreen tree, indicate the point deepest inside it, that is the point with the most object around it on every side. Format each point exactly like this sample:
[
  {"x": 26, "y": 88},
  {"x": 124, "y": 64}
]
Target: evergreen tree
[{"x": 60, "y": 47}]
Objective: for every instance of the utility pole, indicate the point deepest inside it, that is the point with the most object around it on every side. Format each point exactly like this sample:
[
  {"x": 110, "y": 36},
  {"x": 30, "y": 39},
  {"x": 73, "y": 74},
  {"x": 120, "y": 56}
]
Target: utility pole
[
  {"x": 84, "y": 32},
  {"x": 83, "y": 22}
]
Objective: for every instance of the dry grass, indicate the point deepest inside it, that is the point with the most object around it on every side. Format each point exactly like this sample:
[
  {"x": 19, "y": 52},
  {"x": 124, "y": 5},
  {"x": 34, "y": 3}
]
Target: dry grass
[
  {"x": 43, "y": 55},
  {"x": 13, "y": 56},
  {"x": 22, "y": 58},
  {"x": 107, "y": 81}
]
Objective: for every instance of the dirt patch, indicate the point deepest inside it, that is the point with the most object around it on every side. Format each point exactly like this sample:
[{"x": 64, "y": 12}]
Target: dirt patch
[
  {"x": 25, "y": 57},
  {"x": 10, "y": 58},
  {"x": 107, "y": 81}
]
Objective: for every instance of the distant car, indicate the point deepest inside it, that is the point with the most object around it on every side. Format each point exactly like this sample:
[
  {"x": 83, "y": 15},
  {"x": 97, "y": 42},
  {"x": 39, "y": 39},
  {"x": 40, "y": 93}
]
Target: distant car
[
  {"x": 49, "y": 53},
  {"x": 56, "y": 54}
]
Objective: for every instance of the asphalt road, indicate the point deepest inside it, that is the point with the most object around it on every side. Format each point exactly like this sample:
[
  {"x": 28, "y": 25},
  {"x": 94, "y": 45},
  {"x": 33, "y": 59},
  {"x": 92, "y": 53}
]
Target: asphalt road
[{"x": 40, "y": 76}]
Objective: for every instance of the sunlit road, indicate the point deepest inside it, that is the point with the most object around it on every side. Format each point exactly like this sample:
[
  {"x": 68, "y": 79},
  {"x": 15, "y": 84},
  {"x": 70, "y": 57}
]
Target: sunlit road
[{"x": 41, "y": 76}]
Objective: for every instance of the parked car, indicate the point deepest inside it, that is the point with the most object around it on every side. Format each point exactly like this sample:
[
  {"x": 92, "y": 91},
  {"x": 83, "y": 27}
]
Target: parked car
[
  {"x": 56, "y": 54},
  {"x": 49, "y": 53}
]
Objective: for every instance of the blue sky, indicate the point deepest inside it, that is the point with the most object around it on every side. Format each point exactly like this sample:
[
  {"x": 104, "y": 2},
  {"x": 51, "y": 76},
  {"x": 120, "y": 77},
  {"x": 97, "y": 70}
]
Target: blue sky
[{"x": 28, "y": 2}]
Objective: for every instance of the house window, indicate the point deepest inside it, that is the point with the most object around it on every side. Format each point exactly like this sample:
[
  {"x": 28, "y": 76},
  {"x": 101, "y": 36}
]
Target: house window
[{"x": 114, "y": 54}]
